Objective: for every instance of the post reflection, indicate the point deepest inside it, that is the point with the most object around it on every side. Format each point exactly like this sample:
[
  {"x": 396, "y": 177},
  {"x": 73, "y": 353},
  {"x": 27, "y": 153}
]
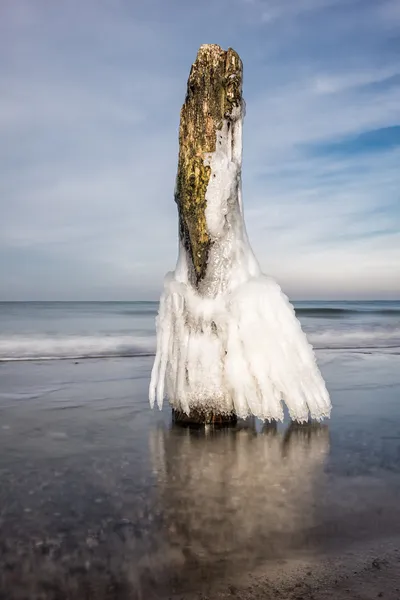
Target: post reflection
[{"x": 234, "y": 497}]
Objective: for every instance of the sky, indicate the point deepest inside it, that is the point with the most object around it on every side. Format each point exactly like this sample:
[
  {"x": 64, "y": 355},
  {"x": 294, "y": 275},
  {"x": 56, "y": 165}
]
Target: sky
[{"x": 90, "y": 94}]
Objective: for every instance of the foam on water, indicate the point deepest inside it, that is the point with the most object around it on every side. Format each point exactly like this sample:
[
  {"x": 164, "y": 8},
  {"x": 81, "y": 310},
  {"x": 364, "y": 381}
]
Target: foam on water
[
  {"x": 35, "y": 347},
  {"x": 357, "y": 339}
]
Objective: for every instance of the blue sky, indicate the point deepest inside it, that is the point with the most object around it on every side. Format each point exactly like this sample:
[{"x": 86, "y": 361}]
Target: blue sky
[{"x": 90, "y": 94}]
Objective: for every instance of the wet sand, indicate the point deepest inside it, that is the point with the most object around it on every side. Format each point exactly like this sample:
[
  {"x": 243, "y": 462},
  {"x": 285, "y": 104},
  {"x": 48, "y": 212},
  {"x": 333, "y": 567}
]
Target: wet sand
[{"x": 102, "y": 498}]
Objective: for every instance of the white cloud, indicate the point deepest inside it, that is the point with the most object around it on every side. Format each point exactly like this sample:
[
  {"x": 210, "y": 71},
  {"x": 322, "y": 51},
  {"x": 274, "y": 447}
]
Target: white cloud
[
  {"x": 272, "y": 10},
  {"x": 331, "y": 84},
  {"x": 295, "y": 114}
]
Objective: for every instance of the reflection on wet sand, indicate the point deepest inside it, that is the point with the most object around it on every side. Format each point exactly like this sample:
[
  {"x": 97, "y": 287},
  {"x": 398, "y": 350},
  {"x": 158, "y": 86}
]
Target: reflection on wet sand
[
  {"x": 95, "y": 522},
  {"x": 232, "y": 498}
]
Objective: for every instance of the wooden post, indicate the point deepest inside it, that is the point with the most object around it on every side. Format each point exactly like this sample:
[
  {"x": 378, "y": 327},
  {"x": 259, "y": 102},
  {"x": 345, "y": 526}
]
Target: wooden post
[{"x": 214, "y": 89}]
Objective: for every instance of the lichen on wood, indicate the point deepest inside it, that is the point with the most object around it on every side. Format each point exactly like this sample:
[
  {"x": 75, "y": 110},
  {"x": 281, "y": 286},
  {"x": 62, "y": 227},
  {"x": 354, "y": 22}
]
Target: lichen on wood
[{"x": 214, "y": 89}]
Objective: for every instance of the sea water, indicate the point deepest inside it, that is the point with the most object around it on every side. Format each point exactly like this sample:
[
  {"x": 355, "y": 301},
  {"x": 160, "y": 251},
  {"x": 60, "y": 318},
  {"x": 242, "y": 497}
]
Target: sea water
[
  {"x": 84, "y": 330},
  {"x": 100, "y": 493}
]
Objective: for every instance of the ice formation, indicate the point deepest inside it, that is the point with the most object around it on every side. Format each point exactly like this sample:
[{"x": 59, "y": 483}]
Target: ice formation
[{"x": 231, "y": 343}]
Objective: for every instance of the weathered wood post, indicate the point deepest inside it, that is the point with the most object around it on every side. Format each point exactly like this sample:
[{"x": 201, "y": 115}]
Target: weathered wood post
[{"x": 214, "y": 91}]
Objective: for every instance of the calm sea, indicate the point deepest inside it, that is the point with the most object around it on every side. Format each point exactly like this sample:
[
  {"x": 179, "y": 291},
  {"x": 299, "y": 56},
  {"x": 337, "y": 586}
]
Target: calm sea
[{"x": 77, "y": 330}]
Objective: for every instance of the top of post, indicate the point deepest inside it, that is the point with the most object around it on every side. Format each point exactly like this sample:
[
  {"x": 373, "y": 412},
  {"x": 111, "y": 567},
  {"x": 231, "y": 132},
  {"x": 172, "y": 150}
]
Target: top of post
[{"x": 214, "y": 95}]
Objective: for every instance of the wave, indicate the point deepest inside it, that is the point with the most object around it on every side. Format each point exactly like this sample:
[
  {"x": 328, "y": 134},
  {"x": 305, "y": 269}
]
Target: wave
[
  {"x": 357, "y": 339},
  {"x": 24, "y": 348},
  {"x": 79, "y": 347},
  {"x": 324, "y": 312}
]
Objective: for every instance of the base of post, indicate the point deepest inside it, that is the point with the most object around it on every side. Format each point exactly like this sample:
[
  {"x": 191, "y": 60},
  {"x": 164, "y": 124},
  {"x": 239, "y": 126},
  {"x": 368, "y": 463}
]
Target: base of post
[{"x": 197, "y": 417}]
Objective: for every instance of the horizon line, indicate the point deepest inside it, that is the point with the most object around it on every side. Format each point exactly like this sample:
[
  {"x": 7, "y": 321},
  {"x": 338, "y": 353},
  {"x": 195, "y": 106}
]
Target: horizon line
[{"x": 157, "y": 301}]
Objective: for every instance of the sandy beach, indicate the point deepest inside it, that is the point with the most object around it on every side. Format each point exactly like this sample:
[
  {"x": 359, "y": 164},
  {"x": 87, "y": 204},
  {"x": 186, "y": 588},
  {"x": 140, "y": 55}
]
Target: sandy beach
[{"x": 101, "y": 497}]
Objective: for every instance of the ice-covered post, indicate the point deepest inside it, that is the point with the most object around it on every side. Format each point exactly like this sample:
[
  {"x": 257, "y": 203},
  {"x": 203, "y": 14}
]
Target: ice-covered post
[
  {"x": 214, "y": 95},
  {"x": 228, "y": 341}
]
